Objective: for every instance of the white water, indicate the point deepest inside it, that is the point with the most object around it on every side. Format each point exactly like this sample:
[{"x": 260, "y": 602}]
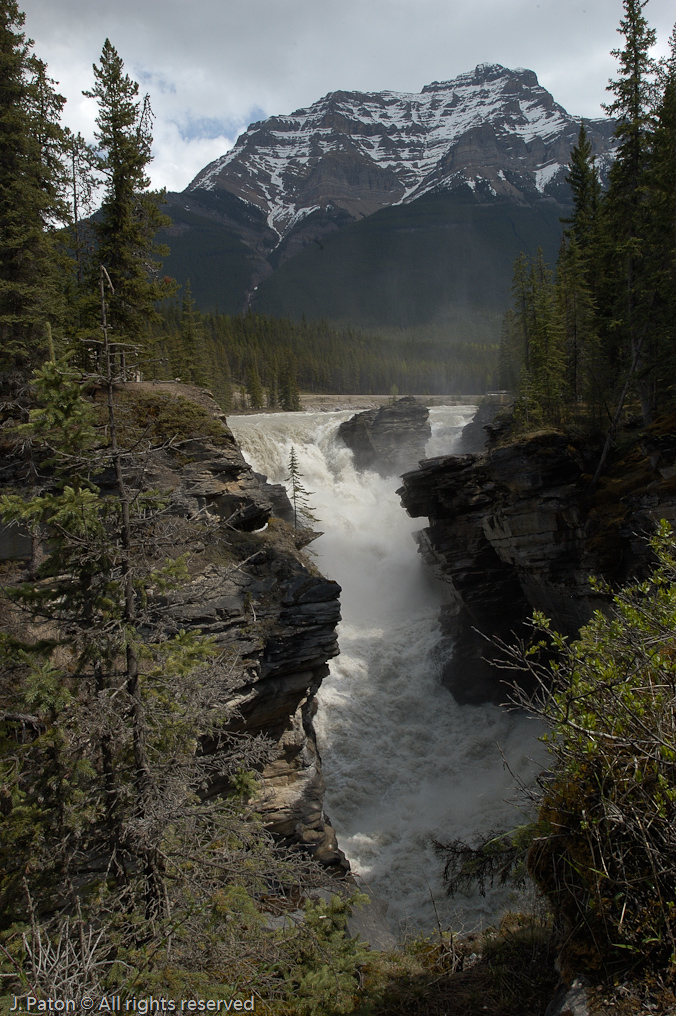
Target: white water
[{"x": 403, "y": 762}]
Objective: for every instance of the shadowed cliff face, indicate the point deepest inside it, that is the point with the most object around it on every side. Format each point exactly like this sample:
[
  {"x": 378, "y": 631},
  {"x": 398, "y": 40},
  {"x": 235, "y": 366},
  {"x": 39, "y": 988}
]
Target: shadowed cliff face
[
  {"x": 390, "y": 439},
  {"x": 251, "y": 587},
  {"x": 516, "y": 529},
  {"x": 276, "y": 619}
]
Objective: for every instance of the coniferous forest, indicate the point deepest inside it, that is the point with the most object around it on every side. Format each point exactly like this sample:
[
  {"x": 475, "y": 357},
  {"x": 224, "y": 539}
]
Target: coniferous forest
[
  {"x": 598, "y": 330},
  {"x": 256, "y": 361},
  {"x": 133, "y": 858}
]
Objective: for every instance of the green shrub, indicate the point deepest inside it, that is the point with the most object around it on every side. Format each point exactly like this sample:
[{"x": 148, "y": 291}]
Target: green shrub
[{"x": 605, "y": 851}]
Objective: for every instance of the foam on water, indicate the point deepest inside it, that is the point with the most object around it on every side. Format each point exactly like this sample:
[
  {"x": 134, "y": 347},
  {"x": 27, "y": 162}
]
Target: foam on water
[{"x": 404, "y": 763}]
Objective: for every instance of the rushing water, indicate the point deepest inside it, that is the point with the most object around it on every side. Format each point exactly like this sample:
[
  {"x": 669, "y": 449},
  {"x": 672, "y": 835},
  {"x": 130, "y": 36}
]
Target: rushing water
[{"x": 404, "y": 763}]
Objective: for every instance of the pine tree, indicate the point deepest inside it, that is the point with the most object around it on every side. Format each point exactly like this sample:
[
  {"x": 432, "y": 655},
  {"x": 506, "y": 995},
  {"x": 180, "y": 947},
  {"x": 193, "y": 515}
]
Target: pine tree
[
  {"x": 298, "y": 495},
  {"x": 576, "y": 281},
  {"x": 625, "y": 301},
  {"x": 576, "y": 310},
  {"x": 661, "y": 232},
  {"x": 192, "y": 366},
  {"x": 31, "y": 204},
  {"x": 130, "y": 215},
  {"x": 583, "y": 179}
]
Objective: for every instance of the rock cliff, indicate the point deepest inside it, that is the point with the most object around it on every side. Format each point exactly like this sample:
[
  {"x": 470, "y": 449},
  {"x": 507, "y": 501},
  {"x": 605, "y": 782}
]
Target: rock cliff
[
  {"x": 251, "y": 588},
  {"x": 519, "y": 528},
  {"x": 390, "y": 439}
]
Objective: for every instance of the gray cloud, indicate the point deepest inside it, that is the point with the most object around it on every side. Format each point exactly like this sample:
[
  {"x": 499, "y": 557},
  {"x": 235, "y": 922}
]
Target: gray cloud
[{"x": 214, "y": 65}]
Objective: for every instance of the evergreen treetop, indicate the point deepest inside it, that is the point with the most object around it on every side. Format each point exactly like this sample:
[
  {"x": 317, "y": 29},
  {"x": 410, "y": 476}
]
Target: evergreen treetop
[
  {"x": 130, "y": 214},
  {"x": 31, "y": 204},
  {"x": 584, "y": 183}
]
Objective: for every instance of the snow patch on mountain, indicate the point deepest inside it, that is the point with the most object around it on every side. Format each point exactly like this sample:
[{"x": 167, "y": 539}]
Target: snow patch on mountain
[
  {"x": 396, "y": 145},
  {"x": 545, "y": 175}
]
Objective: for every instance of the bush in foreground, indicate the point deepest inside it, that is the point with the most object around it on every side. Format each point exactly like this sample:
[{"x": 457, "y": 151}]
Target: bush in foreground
[{"x": 604, "y": 851}]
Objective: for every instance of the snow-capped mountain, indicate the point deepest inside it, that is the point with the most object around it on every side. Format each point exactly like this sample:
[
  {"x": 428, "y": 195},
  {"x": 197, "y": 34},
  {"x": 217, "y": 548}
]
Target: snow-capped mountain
[
  {"x": 493, "y": 130},
  {"x": 385, "y": 208}
]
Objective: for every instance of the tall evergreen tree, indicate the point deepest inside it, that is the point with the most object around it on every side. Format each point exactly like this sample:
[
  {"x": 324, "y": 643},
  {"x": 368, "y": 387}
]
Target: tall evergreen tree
[
  {"x": 192, "y": 367},
  {"x": 31, "y": 203},
  {"x": 625, "y": 299},
  {"x": 298, "y": 495},
  {"x": 583, "y": 179},
  {"x": 130, "y": 215},
  {"x": 576, "y": 310},
  {"x": 661, "y": 231}
]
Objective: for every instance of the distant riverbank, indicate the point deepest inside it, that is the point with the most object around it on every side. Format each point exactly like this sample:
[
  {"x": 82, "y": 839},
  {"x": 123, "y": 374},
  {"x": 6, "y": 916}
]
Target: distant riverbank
[{"x": 330, "y": 403}]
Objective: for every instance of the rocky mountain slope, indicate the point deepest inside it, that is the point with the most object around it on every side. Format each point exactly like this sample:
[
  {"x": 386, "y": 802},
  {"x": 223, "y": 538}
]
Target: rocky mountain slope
[
  {"x": 490, "y": 136},
  {"x": 493, "y": 130}
]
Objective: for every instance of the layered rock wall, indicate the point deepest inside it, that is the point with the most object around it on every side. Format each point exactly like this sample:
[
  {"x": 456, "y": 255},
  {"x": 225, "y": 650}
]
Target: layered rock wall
[
  {"x": 389, "y": 439},
  {"x": 519, "y": 528},
  {"x": 254, "y": 591}
]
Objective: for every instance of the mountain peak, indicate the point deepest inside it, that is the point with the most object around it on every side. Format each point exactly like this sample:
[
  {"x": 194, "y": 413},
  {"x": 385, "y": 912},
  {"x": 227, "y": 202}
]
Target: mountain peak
[
  {"x": 482, "y": 73},
  {"x": 494, "y": 131}
]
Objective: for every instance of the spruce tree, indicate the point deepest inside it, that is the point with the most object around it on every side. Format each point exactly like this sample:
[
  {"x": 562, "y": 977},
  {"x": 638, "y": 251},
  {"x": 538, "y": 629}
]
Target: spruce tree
[
  {"x": 31, "y": 204},
  {"x": 583, "y": 179},
  {"x": 661, "y": 232},
  {"x": 576, "y": 282},
  {"x": 130, "y": 215},
  {"x": 576, "y": 310},
  {"x": 625, "y": 300},
  {"x": 192, "y": 366},
  {"x": 298, "y": 495}
]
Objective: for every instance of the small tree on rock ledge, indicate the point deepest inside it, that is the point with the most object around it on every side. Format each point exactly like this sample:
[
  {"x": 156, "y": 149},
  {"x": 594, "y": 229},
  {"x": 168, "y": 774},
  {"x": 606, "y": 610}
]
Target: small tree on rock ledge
[{"x": 298, "y": 494}]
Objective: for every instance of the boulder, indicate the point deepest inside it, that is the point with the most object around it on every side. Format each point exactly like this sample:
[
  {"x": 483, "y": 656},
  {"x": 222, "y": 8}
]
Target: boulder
[{"x": 391, "y": 439}]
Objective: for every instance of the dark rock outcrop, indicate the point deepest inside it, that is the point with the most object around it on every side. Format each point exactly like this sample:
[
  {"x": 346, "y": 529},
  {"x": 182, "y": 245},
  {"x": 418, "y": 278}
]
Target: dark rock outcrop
[
  {"x": 276, "y": 619},
  {"x": 390, "y": 439},
  {"x": 518, "y": 528},
  {"x": 475, "y": 435},
  {"x": 252, "y": 589}
]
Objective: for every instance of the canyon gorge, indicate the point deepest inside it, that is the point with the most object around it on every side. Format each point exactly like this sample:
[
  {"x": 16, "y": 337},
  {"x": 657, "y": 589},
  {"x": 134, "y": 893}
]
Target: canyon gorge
[{"x": 386, "y": 725}]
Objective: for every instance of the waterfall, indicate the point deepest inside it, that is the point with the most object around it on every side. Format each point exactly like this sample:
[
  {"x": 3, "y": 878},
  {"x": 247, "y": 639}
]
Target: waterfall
[{"x": 403, "y": 762}]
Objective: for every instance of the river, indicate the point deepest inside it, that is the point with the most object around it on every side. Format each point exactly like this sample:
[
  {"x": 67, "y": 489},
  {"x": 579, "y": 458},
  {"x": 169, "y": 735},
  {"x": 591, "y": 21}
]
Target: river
[{"x": 404, "y": 763}]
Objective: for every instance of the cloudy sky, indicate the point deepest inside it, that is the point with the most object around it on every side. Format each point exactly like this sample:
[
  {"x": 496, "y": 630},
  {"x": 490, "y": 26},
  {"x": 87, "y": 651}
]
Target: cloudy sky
[{"x": 214, "y": 66}]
